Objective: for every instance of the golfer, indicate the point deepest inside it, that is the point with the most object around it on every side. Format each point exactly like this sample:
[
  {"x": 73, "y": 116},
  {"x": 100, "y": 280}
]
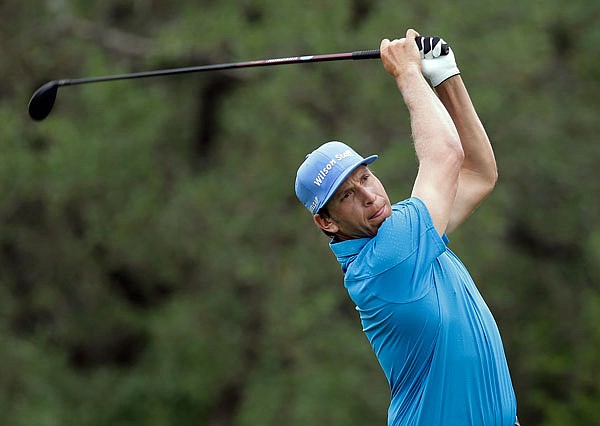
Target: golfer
[{"x": 434, "y": 336}]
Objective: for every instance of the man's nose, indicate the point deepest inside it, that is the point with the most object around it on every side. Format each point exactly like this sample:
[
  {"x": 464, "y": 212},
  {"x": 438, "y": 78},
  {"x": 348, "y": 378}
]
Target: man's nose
[{"x": 368, "y": 196}]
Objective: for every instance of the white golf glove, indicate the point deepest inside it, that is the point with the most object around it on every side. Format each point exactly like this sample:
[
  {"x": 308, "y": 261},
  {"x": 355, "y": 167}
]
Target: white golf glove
[{"x": 437, "y": 67}]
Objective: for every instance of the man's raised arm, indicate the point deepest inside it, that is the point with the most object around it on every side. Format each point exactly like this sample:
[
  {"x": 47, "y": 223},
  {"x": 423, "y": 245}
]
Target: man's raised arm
[
  {"x": 478, "y": 173},
  {"x": 436, "y": 139}
]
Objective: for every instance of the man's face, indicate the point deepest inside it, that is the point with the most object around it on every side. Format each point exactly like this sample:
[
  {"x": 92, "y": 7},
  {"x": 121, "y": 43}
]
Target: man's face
[{"x": 358, "y": 207}]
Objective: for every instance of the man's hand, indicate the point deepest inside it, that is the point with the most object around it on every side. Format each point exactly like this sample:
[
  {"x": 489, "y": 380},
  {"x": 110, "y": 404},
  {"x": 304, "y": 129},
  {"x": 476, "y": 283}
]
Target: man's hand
[
  {"x": 401, "y": 56},
  {"x": 437, "y": 68}
]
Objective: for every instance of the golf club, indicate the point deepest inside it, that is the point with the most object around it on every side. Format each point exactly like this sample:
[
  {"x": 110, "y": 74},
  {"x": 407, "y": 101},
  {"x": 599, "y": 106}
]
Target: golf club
[{"x": 42, "y": 101}]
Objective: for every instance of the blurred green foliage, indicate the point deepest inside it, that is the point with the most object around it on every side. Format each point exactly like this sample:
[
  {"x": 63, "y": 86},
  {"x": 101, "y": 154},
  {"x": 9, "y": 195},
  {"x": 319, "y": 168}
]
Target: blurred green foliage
[{"x": 155, "y": 266}]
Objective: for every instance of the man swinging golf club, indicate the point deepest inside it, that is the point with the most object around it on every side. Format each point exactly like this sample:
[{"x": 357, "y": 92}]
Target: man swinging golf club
[{"x": 431, "y": 330}]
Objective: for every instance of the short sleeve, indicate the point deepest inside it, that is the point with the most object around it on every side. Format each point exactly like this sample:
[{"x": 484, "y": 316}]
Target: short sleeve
[{"x": 398, "y": 259}]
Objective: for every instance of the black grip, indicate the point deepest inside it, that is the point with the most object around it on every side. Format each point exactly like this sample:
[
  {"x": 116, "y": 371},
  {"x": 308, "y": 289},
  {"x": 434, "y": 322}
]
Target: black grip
[
  {"x": 375, "y": 54},
  {"x": 366, "y": 54}
]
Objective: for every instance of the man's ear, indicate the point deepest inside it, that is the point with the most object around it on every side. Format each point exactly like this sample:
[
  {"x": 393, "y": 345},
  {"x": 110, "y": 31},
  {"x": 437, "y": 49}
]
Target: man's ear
[{"x": 326, "y": 223}]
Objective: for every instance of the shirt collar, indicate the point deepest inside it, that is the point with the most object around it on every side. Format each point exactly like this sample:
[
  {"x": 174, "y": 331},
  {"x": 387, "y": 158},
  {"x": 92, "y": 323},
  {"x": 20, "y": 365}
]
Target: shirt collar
[{"x": 345, "y": 251}]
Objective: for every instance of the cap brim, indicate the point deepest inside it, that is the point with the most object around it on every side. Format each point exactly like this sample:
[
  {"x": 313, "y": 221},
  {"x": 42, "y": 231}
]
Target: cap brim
[{"x": 341, "y": 178}]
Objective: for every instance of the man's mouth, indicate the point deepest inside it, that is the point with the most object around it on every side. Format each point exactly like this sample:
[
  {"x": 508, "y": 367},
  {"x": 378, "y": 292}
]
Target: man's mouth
[{"x": 378, "y": 213}]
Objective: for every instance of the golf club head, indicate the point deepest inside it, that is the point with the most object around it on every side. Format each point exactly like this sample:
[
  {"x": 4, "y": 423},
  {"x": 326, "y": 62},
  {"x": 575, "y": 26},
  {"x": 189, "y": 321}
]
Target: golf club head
[{"x": 42, "y": 101}]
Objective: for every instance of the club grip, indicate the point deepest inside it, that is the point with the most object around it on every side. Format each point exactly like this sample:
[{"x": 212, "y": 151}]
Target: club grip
[
  {"x": 376, "y": 54},
  {"x": 366, "y": 54}
]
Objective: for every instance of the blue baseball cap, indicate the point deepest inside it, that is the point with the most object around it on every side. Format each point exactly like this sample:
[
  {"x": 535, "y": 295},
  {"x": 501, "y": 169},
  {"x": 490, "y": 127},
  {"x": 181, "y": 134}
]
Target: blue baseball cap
[{"x": 324, "y": 170}]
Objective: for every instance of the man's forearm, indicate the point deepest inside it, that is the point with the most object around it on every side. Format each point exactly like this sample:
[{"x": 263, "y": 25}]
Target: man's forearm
[
  {"x": 438, "y": 150},
  {"x": 432, "y": 126},
  {"x": 478, "y": 173},
  {"x": 479, "y": 156}
]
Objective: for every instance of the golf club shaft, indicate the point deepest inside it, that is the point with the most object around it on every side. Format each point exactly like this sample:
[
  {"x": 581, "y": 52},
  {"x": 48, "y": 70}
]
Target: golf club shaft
[
  {"x": 43, "y": 99},
  {"x": 363, "y": 54}
]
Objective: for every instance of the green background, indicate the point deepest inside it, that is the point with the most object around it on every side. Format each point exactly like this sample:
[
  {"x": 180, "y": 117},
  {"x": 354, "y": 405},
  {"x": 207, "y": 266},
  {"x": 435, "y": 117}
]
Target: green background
[{"x": 155, "y": 266}]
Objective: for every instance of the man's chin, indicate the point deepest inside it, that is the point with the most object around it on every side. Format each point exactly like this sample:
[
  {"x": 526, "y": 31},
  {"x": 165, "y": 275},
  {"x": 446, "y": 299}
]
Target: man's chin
[{"x": 380, "y": 217}]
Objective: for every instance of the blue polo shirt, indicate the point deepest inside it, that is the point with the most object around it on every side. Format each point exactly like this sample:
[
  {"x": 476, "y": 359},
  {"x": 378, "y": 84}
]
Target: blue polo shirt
[{"x": 432, "y": 332}]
